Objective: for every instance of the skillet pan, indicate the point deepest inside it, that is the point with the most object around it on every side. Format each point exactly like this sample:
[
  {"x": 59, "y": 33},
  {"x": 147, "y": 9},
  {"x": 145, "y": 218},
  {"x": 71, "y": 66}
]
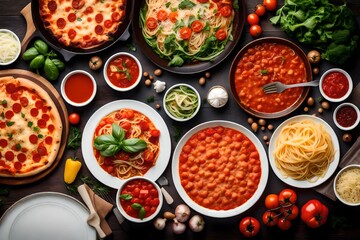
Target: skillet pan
[
  {"x": 35, "y": 28},
  {"x": 189, "y": 68}
]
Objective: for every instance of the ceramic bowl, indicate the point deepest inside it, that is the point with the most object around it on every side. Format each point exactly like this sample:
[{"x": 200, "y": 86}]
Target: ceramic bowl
[
  {"x": 13, "y": 51},
  {"x": 346, "y": 116},
  {"x": 325, "y": 89},
  {"x": 342, "y": 180}
]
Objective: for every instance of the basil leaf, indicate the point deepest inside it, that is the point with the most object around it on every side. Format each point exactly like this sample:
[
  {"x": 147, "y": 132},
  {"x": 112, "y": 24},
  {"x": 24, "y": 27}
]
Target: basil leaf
[
  {"x": 136, "y": 206},
  {"x": 133, "y": 145},
  {"x": 117, "y": 132},
  {"x": 111, "y": 150},
  {"x": 126, "y": 197},
  {"x": 103, "y": 141},
  {"x": 142, "y": 213}
]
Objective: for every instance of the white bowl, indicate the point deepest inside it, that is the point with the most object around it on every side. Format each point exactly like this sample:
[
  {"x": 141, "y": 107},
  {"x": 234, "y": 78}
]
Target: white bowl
[
  {"x": 348, "y": 77},
  {"x": 349, "y": 167},
  {"x": 117, "y": 88},
  {"x": 18, "y": 46},
  {"x": 357, "y": 116},
  {"x": 78, "y": 103},
  {"x": 131, "y": 218},
  {"x": 196, "y": 110}
]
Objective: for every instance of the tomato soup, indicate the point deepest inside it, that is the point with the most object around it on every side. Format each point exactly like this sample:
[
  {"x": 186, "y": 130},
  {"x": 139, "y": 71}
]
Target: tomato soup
[
  {"x": 123, "y": 71},
  {"x": 346, "y": 116},
  {"x": 266, "y": 63},
  {"x": 335, "y": 85},
  {"x": 79, "y": 87},
  {"x": 219, "y": 168}
]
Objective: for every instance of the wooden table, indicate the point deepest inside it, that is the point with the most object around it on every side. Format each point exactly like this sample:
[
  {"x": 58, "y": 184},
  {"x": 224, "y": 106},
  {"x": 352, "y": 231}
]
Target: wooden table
[{"x": 343, "y": 221}]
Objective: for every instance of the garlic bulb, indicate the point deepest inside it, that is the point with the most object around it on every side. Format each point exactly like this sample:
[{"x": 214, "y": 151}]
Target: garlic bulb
[
  {"x": 217, "y": 96},
  {"x": 159, "y": 86}
]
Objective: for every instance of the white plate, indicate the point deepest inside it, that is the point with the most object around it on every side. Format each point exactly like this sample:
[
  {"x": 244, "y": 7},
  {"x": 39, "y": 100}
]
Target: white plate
[
  {"x": 87, "y": 145},
  {"x": 220, "y": 213},
  {"x": 44, "y": 216},
  {"x": 305, "y": 183}
]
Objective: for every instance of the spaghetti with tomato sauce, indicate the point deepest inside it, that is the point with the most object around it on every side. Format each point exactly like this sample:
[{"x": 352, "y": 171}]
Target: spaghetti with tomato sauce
[
  {"x": 219, "y": 168},
  {"x": 136, "y": 125},
  {"x": 266, "y": 63}
]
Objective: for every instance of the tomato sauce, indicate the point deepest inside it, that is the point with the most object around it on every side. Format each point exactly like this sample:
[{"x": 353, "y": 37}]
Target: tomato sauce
[
  {"x": 123, "y": 71},
  {"x": 142, "y": 192},
  {"x": 346, "y": 116},
  {"x": 266, "y": 63},
  {"x": 79, "y": 87},
  {"x": 335, "y": 85},
  {"x": 219, "y": 168}
]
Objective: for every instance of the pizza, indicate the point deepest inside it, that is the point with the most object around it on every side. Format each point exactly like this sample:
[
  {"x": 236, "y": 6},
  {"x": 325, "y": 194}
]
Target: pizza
[
  {"x": 82, "y": 24},
  {"x": 30, "y": 128}
]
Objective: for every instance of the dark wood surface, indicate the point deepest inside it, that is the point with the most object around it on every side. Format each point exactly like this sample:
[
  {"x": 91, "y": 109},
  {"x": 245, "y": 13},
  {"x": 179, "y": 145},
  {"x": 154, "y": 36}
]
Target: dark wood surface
[{"x": 343, "y": 221}]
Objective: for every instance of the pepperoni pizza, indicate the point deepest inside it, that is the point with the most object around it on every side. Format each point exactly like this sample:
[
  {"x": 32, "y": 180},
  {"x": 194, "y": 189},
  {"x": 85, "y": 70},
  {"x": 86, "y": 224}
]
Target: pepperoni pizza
[
  {"x": 30, "y": 128},
  {"x": 82, "y": 24}
]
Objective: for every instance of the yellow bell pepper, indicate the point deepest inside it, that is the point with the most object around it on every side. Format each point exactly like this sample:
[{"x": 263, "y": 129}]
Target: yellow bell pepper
[{"x": 72, "y": 168}]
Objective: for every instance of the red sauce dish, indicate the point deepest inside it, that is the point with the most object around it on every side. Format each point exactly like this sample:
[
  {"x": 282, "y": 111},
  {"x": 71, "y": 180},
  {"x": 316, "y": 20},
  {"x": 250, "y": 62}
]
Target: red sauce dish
[
  {"x": 78, "y": 88},
  {"x": 122, "y": 71},
  {"x": 139, "y": 199},
  {"x": 346, "y": 116},
  {"x": 335, "y": 85}
]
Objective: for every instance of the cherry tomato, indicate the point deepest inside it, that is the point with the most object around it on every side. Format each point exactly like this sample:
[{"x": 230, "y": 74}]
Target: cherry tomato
[
  {"x": 270, "y": 219},
  {"x": 260, "y": 10},
  {"x": 185, "y": 32},
  {"x": 148, "y": 156},
  {"x": 221, "y": 34},
  {"x": 162, "y": 15},
  {"x": 151, "y": 23},
  {"x": 284, "y": 223},
  {"x": 154, "y": 132},
  {"x": 255, "y": 30},
  {"x": 272, "y": 201},
  {"x": 249, "y": 226},
  {"x": 287, "y": 197},
  {"x": 173, "y": 16},
  {"x": 125, "y": 125},
  {"x": 270, "y": 5},
  {"x": 253, "y": 19},
  {"x": 290, "y": 212},
  {"x": 74, "y": 118},
  {"x": 197, "y": 26},
  {"x": 226, "y": 11}
]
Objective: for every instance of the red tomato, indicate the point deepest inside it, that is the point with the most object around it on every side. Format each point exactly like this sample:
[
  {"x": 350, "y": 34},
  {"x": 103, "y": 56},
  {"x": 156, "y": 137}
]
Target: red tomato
[
  {"x": 148, "y": 156},
  {"x": 255, "y": 30},
  {"x": 173, "y": 16},
  {"x": 185, "y": 32},
  {"x": 287, "y": 197},
  {"x": 144, "y": 125},
  {"x": 314, "y": 213},
  {"x": 74, "y": 118},
  {"x": 272, "y": 201},
  {"x": 226, "y": 11},
  {"x": 221, "y": 34},
  {"x": 260, "y": 10},
  {"x": 154, "y": 132},
  {"x": 151, "y": 23},
  {"x": 162, "y": 15},
  {"x": 253, "y": 19},
  {"x": 269, "y": 218},
  {"x": 125, "y": 125},
  {"x": 197, "y": 26},
  {"x": 270, "y": 5},
  {"x": 290, "y": 212},
  {"x": 249, "y": 226},
  {"x": 284, "y": 223}
]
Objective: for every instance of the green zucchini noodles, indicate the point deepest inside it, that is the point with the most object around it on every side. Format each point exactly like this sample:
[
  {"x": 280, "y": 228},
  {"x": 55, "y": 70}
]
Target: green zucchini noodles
[
  {"x": 181, "y": 102},
  {"x": 204, "y": 44}
]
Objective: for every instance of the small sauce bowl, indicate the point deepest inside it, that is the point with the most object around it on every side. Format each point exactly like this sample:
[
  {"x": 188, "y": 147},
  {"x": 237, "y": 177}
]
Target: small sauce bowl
[
  {"x": 12, "y": 52},
  {"x": 344, "y": 184},
  {"x": 122, "y": 71},
  {"x": 335, "y": 85},
  {"x": 139, "y": 206},
  {"x": 346, "y": 116},
  {"x": 78, "y": 88}
]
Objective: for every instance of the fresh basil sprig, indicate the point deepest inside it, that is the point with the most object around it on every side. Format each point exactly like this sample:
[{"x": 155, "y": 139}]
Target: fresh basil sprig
[{"x": 109, "y": 145}]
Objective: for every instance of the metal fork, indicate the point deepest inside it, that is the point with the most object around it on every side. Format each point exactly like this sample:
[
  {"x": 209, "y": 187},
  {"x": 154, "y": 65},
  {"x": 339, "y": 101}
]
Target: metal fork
[
  {"x": 115, "y": 210},
  {"x": 278, "y": 87}
]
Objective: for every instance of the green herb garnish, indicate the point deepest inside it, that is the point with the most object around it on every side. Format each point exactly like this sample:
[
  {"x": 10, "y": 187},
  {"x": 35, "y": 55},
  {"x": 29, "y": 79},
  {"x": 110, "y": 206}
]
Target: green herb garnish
[{"x": 74, "y": 140}]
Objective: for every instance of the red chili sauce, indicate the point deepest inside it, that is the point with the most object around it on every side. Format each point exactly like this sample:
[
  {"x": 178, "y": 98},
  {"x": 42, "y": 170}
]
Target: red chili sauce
[
  {"x": 142, "y": 192},
  {"x": 346, "y": 116},
  {"x": 79, "y": 87},
  {"x": 335, "y": 85},
  {"x": 123, "y": 71}
]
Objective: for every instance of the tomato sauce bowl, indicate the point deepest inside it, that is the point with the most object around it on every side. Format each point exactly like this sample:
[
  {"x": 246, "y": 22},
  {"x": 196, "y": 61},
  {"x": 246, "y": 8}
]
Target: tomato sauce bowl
[
  {"x": 335, "y": 85},
  {"x": 78, "y": 88},
  {"x": 346, "y": 116},
  {"x": 122, "y": 71},
  {"x": 139, "y": 199}
]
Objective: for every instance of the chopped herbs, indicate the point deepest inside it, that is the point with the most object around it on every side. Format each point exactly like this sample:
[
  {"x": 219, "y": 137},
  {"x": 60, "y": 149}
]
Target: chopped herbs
[{"x": 74, "y": 140}]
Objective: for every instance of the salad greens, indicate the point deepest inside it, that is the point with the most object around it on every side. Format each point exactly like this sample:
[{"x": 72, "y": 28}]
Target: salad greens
[{"x": 330, "y": 28}]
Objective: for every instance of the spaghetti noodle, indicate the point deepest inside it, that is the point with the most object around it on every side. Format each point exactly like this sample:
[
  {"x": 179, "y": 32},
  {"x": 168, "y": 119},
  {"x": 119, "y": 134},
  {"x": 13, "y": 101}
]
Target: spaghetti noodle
[
  {"x": 187, "y": 31},
  {"x": 136, "y": 125},
  {"x": 303, "y": 151}
]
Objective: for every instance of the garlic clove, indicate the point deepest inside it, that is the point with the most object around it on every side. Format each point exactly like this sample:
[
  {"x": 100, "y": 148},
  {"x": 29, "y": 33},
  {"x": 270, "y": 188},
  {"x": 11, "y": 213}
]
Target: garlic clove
[{"x": 159, "y": 86}]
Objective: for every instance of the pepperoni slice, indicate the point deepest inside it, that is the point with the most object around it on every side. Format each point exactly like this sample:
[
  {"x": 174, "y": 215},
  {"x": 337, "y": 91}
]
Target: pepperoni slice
[
  {"x": 9, "y": 114},
  {"x": 41, "y": 123},
  {"x": 15, "y": 96},
  {"x": 2, "y": 163},
  {"x": 2, "y": 124},
  {"x": 77, "y": 4},
  {"x": 33, "y": 138},
  {"x": 45, "y": 117},
  {"x": 48, "y": 140},
  {"x": 39, "y": 104},
  {"x": 108, "y": 23},
  {"x": 24, "y": 101},
  {"x": 34, "y": 112},
  {"x": 51, "y": 128},
  {"x": 17, "y": 165},
  {"x": 89, "y": 10},
  {"x": 16, "y": 107},
  {"x": 99, "y": 18},
  {"x": 9, "y": 155},
  {"x": 45, "y": 109},
  {"x": 10, "y": 88},
  {"x": 36, "y": 157},
  {"x": 99, "y": 29},
  {"x": 115, "y": 16},
  {"x": 41, "y": 150},
  {"x": 71, "y": 17},
  {"x": 52, "y": 6},
  {"x": 72, "y": 33},
  {"x": 3, "y": 143},
  {"x": 21, "y": 157},
  {"x": 61, "y": 23}
]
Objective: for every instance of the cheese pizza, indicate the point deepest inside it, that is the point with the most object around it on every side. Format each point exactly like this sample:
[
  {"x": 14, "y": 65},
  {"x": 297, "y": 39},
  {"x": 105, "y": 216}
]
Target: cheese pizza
[
  {"x": 30, "y": 128},
  {"x": 82, "y": 24}
]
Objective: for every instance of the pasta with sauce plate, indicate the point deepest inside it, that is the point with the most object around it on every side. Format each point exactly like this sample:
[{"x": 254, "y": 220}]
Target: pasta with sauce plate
[{"x": 220, "y": 168}]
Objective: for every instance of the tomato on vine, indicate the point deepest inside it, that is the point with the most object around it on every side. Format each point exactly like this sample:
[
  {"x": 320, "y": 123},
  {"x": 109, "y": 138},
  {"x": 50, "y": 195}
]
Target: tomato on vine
[
  {"x": 270, "y": 218},
  {"x": 287, "y": 196},
  {"x": 284, "y": 223},
  {"x": 290, "y": 212},
  {"x": 249, "y": 226},
  {"x": 260, "y": 10},
  {"x": 272, "y": 201}
]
